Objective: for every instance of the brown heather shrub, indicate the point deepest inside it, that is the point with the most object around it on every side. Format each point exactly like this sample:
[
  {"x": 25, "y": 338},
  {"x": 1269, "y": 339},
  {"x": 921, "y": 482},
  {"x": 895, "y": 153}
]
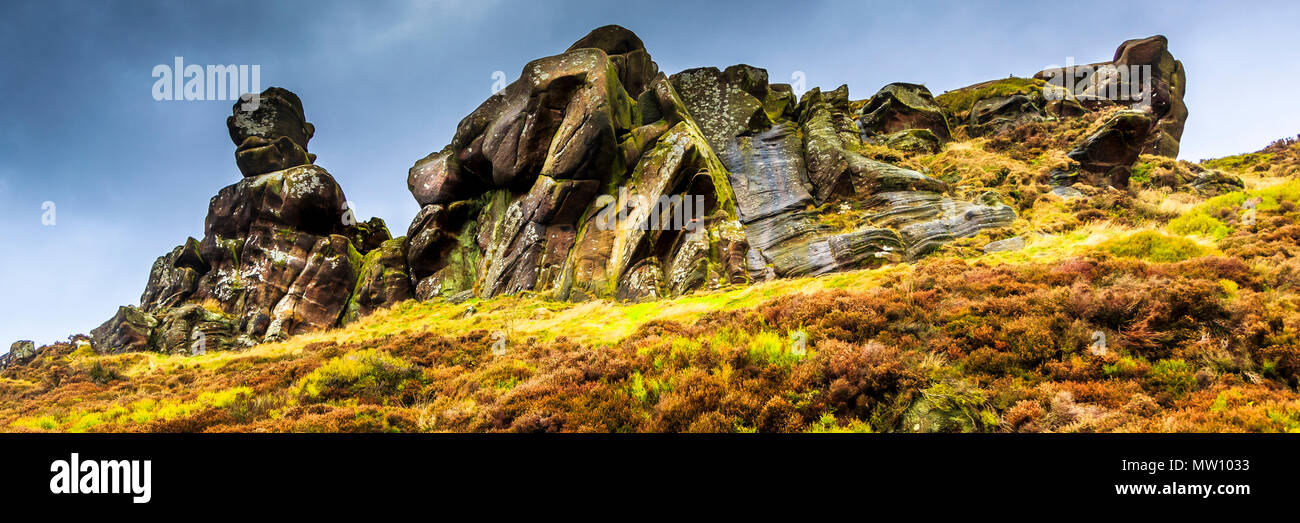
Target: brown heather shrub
[
  {"x": 871, "y": 381},
  {"x": 1024, "y": 416}
]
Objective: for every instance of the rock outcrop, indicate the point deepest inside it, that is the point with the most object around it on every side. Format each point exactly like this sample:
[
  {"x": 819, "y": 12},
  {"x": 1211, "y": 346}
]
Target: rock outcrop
[
  {"x": 520, "y": 200},
  {"x": 19, "y": 352},
  {"x": 1109, "y": 82},
  {"x": 559, "y": 184},
  {"x": 899, "y": 107},
  {"x": 594, "y": 175},
  {"x": 1109, "y": 152},
  {"x": 281, "y": 252},
  {"x": 1143, "y": 80}
]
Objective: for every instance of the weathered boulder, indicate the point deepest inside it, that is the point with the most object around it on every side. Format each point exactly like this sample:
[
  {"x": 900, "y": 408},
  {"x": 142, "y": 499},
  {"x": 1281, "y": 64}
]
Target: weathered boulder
[
  {"x": 827, "y": 129},
  {"x": 304, "y": 198},
  {"x": 437, "y": 179},
  {"x": 383, "y": 280},
  {"x": 22, "y": 350},
  {"x": 131, "y": 329},
  {"x": 514, "y": 202},
  {"x": 873, "y": 177},
  {"x": 768, "y": 173},
  {"x": 442, "y": 253},
  {"x": 724, "y": 104},
  {"x": 955, "y": 219},
  {"x": 1000, "y": 113},
  {"x": 271, "y": 137},
  {"x": 1107, "y": 154},
  {"x": 526, "y": 242},
  {"x": 593, "y": 176},
  {"x": 173, "y": 278},
  {"x": 676, "y": 188},
  {"x": 912, "y": 140},
  {"x": 318, "y": 295},
  {"x": 901, "y": 106},
  {"x": 560, "y": 119},
  {"x": 626, "y": 52},
  {"x": 368, "y": 235},
  {"x": 1169, "y": 82},
  {"x": 194, "y": 329},
  {"x": 1013, "y": 243},
  {"x": 1159, "y": 88},
  {"x": 1214, "y": 182},
  {"x": 781, "y": 158},
  {"x": 259, "y": 235}
]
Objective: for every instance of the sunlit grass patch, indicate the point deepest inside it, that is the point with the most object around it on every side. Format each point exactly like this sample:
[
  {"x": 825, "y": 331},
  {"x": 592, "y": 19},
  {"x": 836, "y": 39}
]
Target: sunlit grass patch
[
  {"x": 364, "y": 373},
  {"x": 1154, "y": 246}
]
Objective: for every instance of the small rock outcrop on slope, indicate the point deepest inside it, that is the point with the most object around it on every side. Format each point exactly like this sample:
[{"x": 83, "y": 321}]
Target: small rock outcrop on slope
[
  {"x": 1143, "y": 80},
  {"x": 280, "y": 254}
]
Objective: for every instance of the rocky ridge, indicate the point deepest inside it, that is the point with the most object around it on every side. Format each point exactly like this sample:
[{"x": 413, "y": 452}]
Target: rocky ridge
[{"x": 714, "y": 178}]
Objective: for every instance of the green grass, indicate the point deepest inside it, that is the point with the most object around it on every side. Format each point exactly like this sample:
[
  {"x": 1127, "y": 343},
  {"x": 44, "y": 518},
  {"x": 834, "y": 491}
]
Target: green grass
[
  {"x": 1153, "y": 246},
  {"x": 1175, "y": 377},
  {"x": 961, "y": 100},
  {"x": 366, "y": 372},
  {"x": 770, "y": 347},
  {"x": 1202, "y": 220},
  {"x": 1238, "y": 163}
]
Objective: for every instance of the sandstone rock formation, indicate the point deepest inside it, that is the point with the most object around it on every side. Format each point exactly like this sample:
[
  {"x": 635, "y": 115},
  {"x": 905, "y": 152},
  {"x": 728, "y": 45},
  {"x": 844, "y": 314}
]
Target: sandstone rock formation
[
  {"x": 512, "y": 203},
  {"x": 594, "y": 175},
  {"x": 1107, "y": 83},
  {"x": 901, "y": 106},
  {"x": 1111, "y": 150},
  {"x": 280, "y": 253},
  {"x": 19, "y": 352},
  {"x": 515, "y": 202},
  {"x": 1143, "y": 79}
]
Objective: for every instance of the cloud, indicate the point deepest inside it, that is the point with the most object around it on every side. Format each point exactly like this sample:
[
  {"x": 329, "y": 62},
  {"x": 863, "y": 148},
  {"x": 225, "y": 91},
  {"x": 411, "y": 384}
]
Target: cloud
[{"x": 416, "y": 21}]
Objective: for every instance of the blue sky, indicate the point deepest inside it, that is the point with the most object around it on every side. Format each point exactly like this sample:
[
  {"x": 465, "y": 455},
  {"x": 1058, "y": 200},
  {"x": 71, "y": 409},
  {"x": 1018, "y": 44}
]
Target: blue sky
[{"x": 386, "y": 82}]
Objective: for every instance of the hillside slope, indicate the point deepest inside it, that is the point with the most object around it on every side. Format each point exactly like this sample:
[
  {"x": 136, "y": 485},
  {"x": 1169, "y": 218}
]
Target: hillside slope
[{"x": 1142, "y": 310}]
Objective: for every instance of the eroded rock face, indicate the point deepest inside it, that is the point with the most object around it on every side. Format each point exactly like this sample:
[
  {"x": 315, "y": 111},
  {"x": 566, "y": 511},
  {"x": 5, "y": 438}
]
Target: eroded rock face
[
  {"x": 194, "y": 329},
  {"x": 1107, "y": 154},
  {"x": 131, "y": 329},
  {"x": 1001, "y": 113},
  {"x": 383, "y": 280},
  {"x": 520, "y": 201},
  {"x": 281, "y": 252},
  {"x": 22, "y": 350},
  {"x": 316, "y": 298},
  {"x": 913, "y": 140},
  {"x": 901, "y": 106},
  {"x": 513, "y": 203},
  {"x": 827, "y": 130},
  {"x": 273, "y": 136},
  {"x": 1168, "y": 85},
  {"x": 174, "y": 277}
]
